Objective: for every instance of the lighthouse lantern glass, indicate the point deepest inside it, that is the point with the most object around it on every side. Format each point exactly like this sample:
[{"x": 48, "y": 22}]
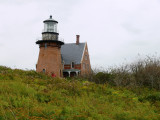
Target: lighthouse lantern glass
[{"x": 50, "y": 27}]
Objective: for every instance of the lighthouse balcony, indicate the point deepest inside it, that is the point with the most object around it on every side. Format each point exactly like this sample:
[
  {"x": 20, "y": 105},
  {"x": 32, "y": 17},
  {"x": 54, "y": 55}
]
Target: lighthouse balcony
[
  {"x": 59, "y": 41},
  {"x": 50, "y": 38}
]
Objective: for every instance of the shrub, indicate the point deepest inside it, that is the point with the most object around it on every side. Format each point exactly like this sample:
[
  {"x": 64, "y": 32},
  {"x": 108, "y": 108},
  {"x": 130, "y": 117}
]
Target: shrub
[
  {"x": 143, "y": 73},
  {"x": 102, "y": 77},
  {"x": 153, "y": 97}
]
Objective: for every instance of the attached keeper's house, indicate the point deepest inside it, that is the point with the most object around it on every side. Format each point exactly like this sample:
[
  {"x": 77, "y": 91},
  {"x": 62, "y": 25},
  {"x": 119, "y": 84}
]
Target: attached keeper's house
[{"x": 59, "y": 58}]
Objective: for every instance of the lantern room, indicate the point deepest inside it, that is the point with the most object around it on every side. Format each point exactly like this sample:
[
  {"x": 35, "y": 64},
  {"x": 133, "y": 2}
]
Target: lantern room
[{"x": 50, "y": 25}]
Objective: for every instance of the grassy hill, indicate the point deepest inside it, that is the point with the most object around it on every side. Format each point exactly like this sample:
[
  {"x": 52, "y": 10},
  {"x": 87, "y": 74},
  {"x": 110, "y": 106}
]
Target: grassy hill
[{"x": 27, "y": 95}]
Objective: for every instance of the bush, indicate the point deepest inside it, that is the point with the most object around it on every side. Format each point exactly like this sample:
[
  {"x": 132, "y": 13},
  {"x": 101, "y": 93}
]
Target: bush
[
  {"x": 143, "y": 73},
  {"x": 153, "y": 97},
  {"x": 102, "y": 77}
]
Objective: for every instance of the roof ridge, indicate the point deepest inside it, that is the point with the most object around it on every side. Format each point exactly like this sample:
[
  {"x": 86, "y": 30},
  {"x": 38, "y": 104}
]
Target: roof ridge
[{"x": 74, "y": 43}]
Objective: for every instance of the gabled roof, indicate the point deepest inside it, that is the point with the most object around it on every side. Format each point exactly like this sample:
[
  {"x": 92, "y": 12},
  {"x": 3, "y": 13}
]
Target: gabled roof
[{"x": 72, "y": 52}]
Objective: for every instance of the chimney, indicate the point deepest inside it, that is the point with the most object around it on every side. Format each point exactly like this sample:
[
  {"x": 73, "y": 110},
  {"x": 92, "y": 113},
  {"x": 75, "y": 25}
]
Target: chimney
[{"x": 77, "y": 39}]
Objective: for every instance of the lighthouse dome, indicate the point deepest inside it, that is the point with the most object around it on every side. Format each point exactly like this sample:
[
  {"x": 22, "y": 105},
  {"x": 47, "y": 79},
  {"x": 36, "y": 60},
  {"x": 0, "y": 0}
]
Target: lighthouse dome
[
  {"x": 50, "y": 25},
  {"x": 50, "y": 20}
]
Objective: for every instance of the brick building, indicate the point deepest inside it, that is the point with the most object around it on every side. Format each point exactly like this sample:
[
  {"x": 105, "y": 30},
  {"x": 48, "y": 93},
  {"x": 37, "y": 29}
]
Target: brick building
[{"x": 59, "y": 59}]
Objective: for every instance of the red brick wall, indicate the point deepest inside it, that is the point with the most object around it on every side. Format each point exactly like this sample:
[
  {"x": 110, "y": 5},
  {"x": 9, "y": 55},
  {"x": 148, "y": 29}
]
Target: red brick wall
[
  {"x": 86, "y": 61},
  {"x": 50, "y": 59}
]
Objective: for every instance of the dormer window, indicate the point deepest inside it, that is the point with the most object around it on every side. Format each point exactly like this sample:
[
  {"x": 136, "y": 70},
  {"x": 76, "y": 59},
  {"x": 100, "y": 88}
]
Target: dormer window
[
  {"x": 72, "y": 64},
  {"x": 86, "y": 57}
]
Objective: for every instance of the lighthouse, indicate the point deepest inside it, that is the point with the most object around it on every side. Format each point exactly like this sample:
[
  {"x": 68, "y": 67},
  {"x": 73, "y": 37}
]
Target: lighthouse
[{"x": 49, "y": 60}]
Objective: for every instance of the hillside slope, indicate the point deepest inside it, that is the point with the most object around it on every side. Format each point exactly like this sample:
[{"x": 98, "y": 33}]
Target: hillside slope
[{"x": 29, "y": 95}]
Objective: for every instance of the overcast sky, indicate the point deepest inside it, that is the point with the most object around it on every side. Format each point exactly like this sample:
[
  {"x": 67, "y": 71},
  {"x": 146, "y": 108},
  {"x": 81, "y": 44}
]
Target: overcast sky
[{"x": 116, "y": 31}]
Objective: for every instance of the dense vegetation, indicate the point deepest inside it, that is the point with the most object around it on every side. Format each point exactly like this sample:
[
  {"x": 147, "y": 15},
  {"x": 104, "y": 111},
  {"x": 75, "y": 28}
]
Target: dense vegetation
[
  {"x": 111, "y": 95},
  {"x": 143, "y": 73}
]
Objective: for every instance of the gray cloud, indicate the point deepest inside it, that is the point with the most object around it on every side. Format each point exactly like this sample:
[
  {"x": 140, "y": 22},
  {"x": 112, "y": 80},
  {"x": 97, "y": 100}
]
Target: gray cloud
[
  {"x": 114, "y": 29},
  {"x": 131, "y": 28}
]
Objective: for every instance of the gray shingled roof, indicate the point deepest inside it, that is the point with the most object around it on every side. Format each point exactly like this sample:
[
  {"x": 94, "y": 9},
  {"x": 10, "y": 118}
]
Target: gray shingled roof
[{"x": 72, "y": 52}]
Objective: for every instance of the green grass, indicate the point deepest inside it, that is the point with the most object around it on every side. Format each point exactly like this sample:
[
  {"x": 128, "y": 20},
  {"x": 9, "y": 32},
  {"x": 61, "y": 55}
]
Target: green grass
[{"x": 27, "y": 95}]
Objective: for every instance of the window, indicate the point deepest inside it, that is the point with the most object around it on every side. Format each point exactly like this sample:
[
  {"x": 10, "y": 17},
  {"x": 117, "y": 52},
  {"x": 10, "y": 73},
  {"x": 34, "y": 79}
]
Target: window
[
  {"x": 45, "y": 45},
  {"x": 87, "y": 66},
  {"x": 84, "y": 65},
  {"x": 72, "y": 64},
  {"x": 86, "y": 57},
  {"x": 44, "y": 70}
]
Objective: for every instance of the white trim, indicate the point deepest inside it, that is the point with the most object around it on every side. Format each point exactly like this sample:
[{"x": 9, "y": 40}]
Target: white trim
[
  {"x": 83, "y": 51},
  {"x": 69, "y": 72}
]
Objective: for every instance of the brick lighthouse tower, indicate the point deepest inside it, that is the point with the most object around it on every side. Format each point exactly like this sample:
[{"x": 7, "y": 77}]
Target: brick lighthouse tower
[{"x": 49, "y": 60}]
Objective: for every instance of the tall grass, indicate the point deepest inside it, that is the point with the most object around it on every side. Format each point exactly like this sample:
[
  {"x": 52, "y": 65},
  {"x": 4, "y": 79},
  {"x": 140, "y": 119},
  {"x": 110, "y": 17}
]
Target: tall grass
[{"x": 27, "y": 95}]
